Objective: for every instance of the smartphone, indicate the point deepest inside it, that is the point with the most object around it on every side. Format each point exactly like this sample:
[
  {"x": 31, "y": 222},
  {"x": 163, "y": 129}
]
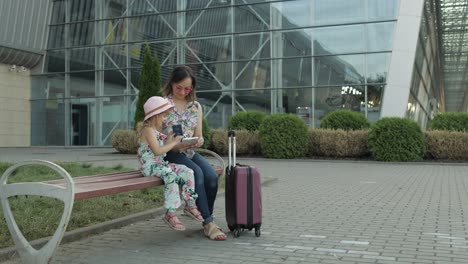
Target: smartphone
[{"x": 177, "y": 130}]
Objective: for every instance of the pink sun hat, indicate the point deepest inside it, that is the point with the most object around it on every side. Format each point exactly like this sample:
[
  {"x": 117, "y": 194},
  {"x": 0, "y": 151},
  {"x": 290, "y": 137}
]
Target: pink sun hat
[{"x": 156, "y": 105}]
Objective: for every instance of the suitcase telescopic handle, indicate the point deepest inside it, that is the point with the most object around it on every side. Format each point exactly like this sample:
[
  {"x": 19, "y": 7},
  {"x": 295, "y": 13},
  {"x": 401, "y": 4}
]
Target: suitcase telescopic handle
[{"x": 232, "y": 148}]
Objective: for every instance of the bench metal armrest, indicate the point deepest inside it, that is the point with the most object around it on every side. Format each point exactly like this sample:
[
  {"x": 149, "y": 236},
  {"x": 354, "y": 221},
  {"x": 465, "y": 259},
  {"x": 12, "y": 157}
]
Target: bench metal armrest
[
  {"x": 26, "y": 251},
  {"x": 216, "y": 156}
]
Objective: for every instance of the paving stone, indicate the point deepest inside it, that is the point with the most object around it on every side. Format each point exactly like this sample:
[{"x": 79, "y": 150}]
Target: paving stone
[{"x": 316, "y": 212}]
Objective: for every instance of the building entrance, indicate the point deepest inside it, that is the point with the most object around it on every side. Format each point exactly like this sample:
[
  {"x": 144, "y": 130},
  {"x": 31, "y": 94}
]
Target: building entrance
[{"x": 79, "y": 124}]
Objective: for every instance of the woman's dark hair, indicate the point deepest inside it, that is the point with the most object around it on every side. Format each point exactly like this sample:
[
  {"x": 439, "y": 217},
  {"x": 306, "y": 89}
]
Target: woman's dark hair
[{"x": 178, "y": 74}]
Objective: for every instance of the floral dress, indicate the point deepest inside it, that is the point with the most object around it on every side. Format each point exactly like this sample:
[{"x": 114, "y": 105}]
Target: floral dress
[
  {"x": 188, "y": 119},
  {"x": 172, "y": 174}
]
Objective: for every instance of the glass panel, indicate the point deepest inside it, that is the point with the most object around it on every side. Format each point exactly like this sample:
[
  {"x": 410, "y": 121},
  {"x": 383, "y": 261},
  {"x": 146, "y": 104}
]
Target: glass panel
[
  {"x": 377, "y": 67},
  {"x": 334, "y": 98},
  {"x": 82, "y": 84},
  {"x": 296, "y": 13},
  {"x": 374, "y": 101},
  {"x": 298, "y": 101},
  {"x": 382, "y": 9},
  {"x": 411, "y": 109},
  {"x": 153, "y": 27},
  {"x": 208, "y": 22},
  {"x": 115, "y": 82},
  {"x": 415, "y": 83},
  {"x": 115, "y": 31},
  {"x": 253, "y": 74},
  {"x": 114, "y": 116},
  {"x": 166, "y": 52},
  {"x": 56, "y": 37},
  {"x": 252, "y": 18},
  {"x": 47, "y": 122},
  {"x": 197, "y": 4},
  {"x": 81, "y": 10},
  {"x": 296, "y": 43},
  {"x": 82, "y": 34},
  {"x": 240, "y": 2},
  {"x": 337, "y": 70},
  {"x": 82, "y": 59},
  {"x": 212, "y": 76},
  {"x": 297, "y": 72},
  {"x": 153, "y": 6},
  {"x": 331, "y": 12},
  {"x": 58, "y": 12},
  {"x": 252, "y": 46},
  {"x": 209, "y": 49},
  {"x": 380, "y": 36},
  {"x": 115, "y": 8},
  {"x": 50, "y": 86},
  {"x": 55, "y": 61},
  {"x": 336, "y": 40},
  {"x": 115, "y": 57},
  {"x": 259, "y": 100},
  {"x": 217, "y": 115}
]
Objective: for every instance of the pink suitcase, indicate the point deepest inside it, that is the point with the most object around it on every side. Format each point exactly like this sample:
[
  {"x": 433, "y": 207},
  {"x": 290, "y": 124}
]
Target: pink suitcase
[{"x": 243, "y": 194}]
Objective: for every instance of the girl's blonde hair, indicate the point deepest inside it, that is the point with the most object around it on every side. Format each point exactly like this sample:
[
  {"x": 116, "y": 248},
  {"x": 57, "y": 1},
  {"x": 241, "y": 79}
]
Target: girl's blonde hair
[
  {"x": 147, "y": 123},
  {"x": 178, "y": 74}
]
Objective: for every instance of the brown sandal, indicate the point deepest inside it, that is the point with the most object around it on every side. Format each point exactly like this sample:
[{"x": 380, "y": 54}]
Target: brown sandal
[
  {"x": 193, "y": 212},
  {"x": 173, "y": 222},
  {"x": 214, "y": 232}
]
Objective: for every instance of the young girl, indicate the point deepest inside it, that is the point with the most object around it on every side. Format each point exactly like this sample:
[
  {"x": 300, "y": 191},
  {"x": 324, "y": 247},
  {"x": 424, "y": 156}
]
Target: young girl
[{"x": 151, "y": 153}]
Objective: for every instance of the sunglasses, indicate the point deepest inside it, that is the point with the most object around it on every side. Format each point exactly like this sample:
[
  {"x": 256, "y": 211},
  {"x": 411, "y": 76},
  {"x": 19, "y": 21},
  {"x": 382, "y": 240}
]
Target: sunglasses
[{"x": 186, "y": 89}]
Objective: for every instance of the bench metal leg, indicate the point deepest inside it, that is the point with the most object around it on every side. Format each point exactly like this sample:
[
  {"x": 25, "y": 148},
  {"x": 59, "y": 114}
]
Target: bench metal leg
[{"x": 27, "y": 253}]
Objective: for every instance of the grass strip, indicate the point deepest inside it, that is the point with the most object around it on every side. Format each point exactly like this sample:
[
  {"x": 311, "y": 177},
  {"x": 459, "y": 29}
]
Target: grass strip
[{"x": 38, "y": 217}]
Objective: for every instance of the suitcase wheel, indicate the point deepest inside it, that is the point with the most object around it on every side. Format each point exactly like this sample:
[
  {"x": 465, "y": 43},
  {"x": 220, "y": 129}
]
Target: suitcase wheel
[
  {"x": 257, "y": 231},
  {"x": 236, "y": 232}
]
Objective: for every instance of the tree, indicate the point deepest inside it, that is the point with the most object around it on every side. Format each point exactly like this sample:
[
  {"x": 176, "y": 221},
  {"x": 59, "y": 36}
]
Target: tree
[{"x": 149, "y": 83}]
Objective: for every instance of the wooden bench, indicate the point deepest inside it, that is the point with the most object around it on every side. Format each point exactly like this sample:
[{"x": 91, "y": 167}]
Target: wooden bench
[{"x": 69, "y": 190}]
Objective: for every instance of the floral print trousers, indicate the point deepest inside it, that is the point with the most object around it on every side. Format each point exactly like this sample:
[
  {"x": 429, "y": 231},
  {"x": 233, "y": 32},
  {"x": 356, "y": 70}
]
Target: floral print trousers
[{"x": 176, "y": 177}]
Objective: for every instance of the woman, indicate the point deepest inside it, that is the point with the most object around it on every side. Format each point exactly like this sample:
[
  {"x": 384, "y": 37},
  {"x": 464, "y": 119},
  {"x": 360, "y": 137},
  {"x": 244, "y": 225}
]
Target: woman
[{"x": 180, "y": 90}]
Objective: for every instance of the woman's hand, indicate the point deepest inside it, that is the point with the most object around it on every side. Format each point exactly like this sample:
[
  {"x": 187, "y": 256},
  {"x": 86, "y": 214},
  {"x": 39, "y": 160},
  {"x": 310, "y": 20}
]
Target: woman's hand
[{"x": 200, "y": 142}]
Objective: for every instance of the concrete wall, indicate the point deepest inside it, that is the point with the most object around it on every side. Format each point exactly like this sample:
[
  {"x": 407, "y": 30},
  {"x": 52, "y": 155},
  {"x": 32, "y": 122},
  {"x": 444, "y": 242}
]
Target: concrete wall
[
  {"x": 15, "y": 107},
  {"x": 405, "y": 40}
]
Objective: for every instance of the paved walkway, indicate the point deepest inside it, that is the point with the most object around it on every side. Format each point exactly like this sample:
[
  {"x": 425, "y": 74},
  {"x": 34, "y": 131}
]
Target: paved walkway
[{"x": 316, "y": 212}]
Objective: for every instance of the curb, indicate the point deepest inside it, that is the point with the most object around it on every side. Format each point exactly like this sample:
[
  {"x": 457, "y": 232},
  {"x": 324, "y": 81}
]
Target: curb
[{"x": 77, "y": 234}]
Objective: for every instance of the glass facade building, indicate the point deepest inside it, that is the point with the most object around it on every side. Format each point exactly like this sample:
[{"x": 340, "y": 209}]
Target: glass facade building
[
  {"x": 427, "y": 83},
  {"x": 303, "y": 57}
]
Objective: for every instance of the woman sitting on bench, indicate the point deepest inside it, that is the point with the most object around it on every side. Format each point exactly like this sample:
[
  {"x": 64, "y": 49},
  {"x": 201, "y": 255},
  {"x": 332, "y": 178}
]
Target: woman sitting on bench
[{"x": 187, "y": 112}]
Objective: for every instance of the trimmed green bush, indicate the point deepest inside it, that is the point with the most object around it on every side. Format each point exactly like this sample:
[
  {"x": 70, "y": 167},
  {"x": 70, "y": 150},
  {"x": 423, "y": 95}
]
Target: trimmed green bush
[
  {"x": 450, "y": 121},
  {"x": 249, "y": 120},
  {"x": 283, "y": 136},
  {"x": 206, "y": 133},
  {"x": 338, "y": 143},
  {"x": 396, "y": 139},
  {"x": 344, "y": 119}
]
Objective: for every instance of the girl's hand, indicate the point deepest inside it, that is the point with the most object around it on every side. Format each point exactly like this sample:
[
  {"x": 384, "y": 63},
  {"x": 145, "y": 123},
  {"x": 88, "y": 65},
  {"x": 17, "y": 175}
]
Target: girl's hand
[{"x": 174, "y": 139}]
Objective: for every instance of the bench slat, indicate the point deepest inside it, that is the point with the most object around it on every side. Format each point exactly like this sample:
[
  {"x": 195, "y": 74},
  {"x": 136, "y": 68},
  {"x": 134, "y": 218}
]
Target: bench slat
[
  {"x": 86, "y": 190},
  {"x": 111, "y": 183}
]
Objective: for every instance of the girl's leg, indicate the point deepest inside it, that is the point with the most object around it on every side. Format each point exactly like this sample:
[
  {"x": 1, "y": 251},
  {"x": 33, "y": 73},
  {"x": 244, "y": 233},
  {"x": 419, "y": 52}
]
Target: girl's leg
[
  {"x": 171, "y": 197},
  {"x": 187, "y": 184}
]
